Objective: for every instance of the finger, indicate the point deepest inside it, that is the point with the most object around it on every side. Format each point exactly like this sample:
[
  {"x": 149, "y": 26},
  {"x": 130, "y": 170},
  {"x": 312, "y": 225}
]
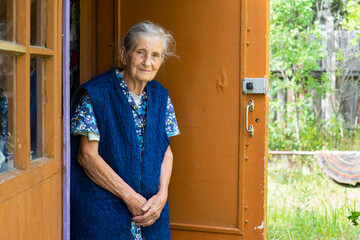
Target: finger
[
  {"x": 135, "y": 211},
  {"x": 138, "y": 213},
  {"x": 147, "y": 223},
  {"x": 148, "y": 216},
  {"x": 147, "y": 219},
  {"x": 141, "y": 218},
  {"x": 147, "y": 206}
]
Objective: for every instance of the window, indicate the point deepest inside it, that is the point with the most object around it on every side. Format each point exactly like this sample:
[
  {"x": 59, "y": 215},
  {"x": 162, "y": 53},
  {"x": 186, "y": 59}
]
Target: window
[{"x": 30, "y": 84}]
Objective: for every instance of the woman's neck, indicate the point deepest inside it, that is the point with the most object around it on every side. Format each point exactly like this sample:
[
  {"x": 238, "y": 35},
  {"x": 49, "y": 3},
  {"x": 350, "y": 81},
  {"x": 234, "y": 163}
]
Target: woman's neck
[{"x": 136, "y": 87}]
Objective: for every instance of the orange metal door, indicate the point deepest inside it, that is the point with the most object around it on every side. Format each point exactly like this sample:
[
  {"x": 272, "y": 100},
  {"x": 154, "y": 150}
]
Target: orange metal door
[{"x": 218, "y": 187}]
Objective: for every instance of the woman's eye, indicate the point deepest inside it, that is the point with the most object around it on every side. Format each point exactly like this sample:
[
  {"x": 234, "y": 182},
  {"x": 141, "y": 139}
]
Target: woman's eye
[
  {"x": 140, "y": 52},
  {"x": 155, "y": 55}
]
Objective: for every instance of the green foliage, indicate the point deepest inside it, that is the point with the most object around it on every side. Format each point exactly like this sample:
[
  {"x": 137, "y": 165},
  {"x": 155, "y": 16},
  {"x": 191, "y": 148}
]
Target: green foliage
[
  {"x": 354, "y": 217},
  {"x": 313, "y": 136},
  {"x": 296, "y": 42},
  {"x": 352, "y": 16},
  {"x": 297, "y": 46}
]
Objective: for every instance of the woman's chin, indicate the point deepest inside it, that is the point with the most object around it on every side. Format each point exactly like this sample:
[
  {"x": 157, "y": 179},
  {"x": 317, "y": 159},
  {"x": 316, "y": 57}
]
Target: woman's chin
[{"x": 145, "y": 79}]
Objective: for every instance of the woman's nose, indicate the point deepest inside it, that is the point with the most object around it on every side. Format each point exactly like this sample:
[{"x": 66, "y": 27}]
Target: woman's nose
[{"x": 147, "y": 60}]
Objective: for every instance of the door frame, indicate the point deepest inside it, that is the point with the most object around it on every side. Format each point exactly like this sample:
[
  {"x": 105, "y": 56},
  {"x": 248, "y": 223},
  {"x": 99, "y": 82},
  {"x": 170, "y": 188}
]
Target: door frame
[{"x": 66, "y": 119}]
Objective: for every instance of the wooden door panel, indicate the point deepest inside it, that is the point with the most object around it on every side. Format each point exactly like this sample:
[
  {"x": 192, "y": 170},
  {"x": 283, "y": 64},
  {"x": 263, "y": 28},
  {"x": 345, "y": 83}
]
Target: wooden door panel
[
  {"x": 34, "y": 213},
  {"x": 30, "y": 194}
]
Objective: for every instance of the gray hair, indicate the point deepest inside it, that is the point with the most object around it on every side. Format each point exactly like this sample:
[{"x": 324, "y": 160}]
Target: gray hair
[{"x": 149, "y": 28}]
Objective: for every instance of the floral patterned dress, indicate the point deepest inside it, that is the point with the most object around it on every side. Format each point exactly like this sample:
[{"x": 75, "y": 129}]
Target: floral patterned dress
[
  {"x": 3, "y": 130},
  {"x": 83, "y": 122}
]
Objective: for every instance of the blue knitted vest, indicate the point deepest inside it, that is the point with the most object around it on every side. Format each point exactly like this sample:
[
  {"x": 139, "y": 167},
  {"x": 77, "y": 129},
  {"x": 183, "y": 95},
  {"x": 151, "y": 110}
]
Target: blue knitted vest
[{"x": 95, "y": 212}]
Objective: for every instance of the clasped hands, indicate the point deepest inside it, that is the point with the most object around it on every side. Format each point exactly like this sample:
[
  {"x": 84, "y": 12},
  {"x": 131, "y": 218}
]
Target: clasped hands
[{"x": 146, "y": 212}]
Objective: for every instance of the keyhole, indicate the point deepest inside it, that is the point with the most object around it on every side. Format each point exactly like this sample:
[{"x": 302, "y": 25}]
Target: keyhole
[{"x": 257, "y": 120}]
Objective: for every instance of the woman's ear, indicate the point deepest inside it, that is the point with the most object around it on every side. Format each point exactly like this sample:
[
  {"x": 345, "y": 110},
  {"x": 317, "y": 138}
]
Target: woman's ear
[{"x": 122, "y": 53}]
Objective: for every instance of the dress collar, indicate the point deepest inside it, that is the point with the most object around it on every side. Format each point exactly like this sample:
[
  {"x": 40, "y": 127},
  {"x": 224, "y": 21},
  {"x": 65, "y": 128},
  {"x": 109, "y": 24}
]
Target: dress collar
[
  {"x": 124, "y": 86},
  {"x": 125, "y": 90}
]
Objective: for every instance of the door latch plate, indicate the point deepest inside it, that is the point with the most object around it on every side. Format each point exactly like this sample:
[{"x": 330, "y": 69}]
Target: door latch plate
[{"x": 255, "y": 85}]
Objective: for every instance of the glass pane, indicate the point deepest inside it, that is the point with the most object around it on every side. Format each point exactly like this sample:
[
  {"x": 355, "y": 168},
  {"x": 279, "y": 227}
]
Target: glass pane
[
  {"x": 38, "y": 23},
  {"x": 37, "y": 107},
  {"x": 7, "y": 15},
  {"x": 7, "y": 118}
]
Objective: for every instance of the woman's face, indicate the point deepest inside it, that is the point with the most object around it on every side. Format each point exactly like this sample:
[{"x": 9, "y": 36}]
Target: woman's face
[{"x": 145, "y": 58}]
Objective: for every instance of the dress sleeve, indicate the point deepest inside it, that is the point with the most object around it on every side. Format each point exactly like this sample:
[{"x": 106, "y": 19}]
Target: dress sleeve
[
  {"x": 83, "y": 122},
  {"x": 171, "y": 125}
]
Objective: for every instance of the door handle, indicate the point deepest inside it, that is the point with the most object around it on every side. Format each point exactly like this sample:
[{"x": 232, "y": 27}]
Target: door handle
[{"x": 251, "y": 107}]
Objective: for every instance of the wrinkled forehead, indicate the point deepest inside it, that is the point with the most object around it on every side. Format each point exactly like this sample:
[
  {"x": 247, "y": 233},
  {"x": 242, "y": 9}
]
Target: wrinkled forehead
[{"x": 149, "y": 41}]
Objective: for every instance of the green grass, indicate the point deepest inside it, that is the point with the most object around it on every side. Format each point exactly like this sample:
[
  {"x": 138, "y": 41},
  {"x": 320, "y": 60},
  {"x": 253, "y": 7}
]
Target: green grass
[{"x": 303, "y": 203}]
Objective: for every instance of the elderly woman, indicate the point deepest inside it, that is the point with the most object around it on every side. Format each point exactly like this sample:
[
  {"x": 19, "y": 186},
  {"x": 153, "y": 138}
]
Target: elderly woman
[{"x": 121, "y": 158}]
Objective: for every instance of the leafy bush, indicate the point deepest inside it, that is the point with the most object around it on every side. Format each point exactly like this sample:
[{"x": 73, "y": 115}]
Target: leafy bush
[{"x": 297, "y": 46}]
